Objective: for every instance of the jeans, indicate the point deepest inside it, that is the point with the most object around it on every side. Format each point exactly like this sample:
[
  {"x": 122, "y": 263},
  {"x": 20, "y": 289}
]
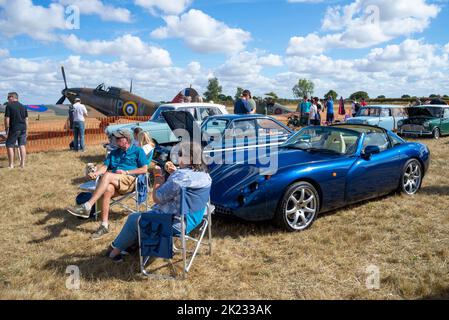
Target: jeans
[
  {"x": 128, "y": 236},
  {"x": 78, "y": 133}
]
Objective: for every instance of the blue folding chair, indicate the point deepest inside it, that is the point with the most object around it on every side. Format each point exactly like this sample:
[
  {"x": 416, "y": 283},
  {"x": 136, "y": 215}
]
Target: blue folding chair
[{"x": 157, "y": 232}]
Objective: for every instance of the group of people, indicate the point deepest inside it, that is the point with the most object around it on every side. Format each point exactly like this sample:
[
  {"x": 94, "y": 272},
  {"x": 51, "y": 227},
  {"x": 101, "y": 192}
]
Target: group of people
[
  {"x": 118, "y": 177},
  {"x": 310, "y": 111}
]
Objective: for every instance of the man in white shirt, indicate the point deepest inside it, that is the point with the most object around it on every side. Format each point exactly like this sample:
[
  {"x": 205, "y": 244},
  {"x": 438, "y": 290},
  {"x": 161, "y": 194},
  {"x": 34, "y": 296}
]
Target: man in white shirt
[
  {"x": 79, "y": 114},
  {"x": 313, "y": 115}
]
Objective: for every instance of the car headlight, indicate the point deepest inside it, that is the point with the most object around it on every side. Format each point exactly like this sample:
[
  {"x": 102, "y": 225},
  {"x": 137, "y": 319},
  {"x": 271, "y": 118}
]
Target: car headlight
[
  {"x": 400, "y": 123},
  {"x": 426, "y": 124}
]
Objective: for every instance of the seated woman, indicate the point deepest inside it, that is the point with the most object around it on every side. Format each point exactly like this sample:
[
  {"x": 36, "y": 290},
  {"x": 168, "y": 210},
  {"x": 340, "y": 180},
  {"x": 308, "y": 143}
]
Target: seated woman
[
  {"x": 142, "y": 139},
  {"x": 192, "y": 173}
]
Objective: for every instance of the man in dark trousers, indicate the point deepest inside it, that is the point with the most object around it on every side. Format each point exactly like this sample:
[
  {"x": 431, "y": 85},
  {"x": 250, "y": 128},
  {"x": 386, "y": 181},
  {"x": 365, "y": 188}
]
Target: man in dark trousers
[{"x": 16, "y": 124}]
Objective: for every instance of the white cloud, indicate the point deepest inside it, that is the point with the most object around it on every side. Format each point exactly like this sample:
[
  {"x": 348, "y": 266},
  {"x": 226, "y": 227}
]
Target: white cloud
[
  {"x": 203, "y": 33},
  {"x": 365, "y": 23},
  {"x": 412, "y": 66},
  {"x": 128, "y": 48},
  {"x": 170, "y": 7},
  {"x": 23, "y": 17},
  {"x": 4, "y": 53},
  {"x": 97, "y": 7}
]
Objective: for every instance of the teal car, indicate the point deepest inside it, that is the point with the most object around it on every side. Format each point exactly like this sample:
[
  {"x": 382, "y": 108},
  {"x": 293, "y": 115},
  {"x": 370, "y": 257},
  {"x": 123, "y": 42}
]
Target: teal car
[
  {"x": 429, "y": 120},
  {"x": 158, "y": 128},
  {"x": 384, "y": 116}
]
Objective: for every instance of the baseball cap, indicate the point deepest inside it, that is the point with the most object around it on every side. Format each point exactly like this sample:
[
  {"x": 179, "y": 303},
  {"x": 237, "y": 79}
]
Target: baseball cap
[
  {"x": 77, "y": 100},
  {"x": 122, "y": 134}
]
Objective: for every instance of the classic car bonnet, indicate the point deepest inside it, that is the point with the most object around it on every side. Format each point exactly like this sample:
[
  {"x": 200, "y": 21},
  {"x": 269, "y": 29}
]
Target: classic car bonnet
[{"x": 429, "y": 112}]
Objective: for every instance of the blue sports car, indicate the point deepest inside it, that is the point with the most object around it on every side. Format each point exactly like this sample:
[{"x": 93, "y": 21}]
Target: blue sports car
[{"x": 320, "y": 169}]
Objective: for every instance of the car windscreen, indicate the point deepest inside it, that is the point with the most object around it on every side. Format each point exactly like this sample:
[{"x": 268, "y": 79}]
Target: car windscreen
[
  {"x": 434, "y": 112},
  {"x": 157, "y": 116},
  {"x": 325, "y": 140}
]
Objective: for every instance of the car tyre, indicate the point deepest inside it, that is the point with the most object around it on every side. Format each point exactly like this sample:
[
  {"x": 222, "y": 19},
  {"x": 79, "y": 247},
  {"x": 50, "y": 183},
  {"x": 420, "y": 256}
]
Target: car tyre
[
  {"x": 411, "y": 178},
  {"x": 298, "y": 208},
  {"x": 436, "y": 133}
]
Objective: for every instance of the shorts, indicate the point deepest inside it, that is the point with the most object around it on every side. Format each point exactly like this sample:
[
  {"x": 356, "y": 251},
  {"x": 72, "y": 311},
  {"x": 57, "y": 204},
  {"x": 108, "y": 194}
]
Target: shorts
[
  {"x": 127, "y": 184},
  {"x": 15, "y": 137}
]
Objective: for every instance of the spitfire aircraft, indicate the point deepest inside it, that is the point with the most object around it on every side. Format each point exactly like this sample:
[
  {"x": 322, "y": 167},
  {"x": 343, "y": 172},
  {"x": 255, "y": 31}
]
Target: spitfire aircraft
[{"x": 110, "y": 101}]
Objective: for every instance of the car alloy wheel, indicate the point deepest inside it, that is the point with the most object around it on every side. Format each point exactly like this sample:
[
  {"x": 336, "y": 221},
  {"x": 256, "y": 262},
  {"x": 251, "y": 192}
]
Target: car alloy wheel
[
  {"x": 436, "y": 133},
  {"x": 299, "y": 207},
  {"x": 412, "y": 177}
]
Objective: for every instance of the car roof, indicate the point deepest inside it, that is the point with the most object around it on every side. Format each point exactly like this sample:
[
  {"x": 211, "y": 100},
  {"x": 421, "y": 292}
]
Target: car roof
[
  {"x": 383, "y": 106},
  {"x": 192, "y": 104},
  {"x": 241, "y": 116},
  {"x": 432, "y": 106}
]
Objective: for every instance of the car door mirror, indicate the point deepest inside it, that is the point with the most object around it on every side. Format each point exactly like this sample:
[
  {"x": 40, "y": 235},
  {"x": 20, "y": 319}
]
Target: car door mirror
[{"x": 370, "y": 151}]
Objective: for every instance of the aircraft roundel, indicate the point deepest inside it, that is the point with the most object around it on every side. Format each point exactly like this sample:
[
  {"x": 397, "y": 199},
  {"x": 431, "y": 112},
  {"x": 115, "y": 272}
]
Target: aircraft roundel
[{"x": 130, "y": 109}]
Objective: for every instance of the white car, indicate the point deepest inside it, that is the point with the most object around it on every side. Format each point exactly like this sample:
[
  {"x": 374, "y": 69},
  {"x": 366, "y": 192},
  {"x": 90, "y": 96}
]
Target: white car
[{"x": 159, "y": 129}]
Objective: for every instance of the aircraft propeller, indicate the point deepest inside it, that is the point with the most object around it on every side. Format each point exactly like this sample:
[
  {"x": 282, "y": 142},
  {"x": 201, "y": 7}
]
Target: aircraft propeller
[{"x": 64, "y": 92}]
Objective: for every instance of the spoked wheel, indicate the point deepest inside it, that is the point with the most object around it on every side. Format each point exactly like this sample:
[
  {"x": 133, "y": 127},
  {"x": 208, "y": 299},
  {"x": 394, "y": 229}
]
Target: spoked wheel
[
  {"x": 411, "y": 177},
  {"x": 299, "y": 207}
]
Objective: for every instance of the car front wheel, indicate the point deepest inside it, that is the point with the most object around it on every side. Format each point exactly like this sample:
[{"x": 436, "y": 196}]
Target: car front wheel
[
  {"x": 411, "y": 177},
  {"x": 298, "y": 208}
]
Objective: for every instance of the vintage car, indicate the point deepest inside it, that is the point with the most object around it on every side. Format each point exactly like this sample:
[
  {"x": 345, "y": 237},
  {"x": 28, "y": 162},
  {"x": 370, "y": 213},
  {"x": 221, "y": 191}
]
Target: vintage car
[
  {"x": 222, "y": 136},
  {"x": 383, "y": 116},
  {"x": 158, "y": 128},
  {"x": 320, "y": 169},
  {"x": 431, "y": 120}
]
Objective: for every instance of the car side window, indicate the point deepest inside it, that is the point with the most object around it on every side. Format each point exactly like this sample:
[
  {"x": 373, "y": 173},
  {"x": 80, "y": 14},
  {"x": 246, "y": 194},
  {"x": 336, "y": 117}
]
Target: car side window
[
  {"x": 395, "y": 140},
  {"x": 268, "y": 127},
  {"x": 243, "y": 129},
  {"x": 385, "y": 113},
  {"x": 446, "y": 114},
  {"x": 377, "y": 139}
]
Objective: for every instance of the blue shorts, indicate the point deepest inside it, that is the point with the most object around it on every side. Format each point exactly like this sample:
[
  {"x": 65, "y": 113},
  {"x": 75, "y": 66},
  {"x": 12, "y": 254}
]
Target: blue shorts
[{"x": 15, "y": 137}]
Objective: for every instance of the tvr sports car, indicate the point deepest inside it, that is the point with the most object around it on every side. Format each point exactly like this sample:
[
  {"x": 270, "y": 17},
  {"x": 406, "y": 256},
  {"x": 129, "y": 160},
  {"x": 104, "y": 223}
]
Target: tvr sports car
[{"x": 320, "y": 169}]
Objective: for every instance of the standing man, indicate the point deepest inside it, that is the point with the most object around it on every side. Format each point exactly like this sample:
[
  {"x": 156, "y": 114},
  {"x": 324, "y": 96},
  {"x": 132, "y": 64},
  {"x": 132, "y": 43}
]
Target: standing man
[
  {"x": 242, "y": 106},
  {"x": 330, "y": 110},
  {"x": 363, "y": 103},
  {"x": 16, "y": 124},
  {"x": 314, "y": 114},
  {"x": 305, "y": 109},
  {"x": 79, "y": 114},
  {"x": 252, "y": 103}
]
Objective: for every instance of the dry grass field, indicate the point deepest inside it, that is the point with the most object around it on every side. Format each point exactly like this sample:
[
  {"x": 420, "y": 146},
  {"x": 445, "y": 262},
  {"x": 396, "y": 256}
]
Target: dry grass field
[{"x": 406, "y": 237}]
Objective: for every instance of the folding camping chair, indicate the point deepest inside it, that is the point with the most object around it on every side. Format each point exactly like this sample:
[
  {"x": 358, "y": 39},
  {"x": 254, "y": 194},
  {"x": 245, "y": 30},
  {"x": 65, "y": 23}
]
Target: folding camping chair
[
  {"x": 158, "y": 232},
  {"x": 140, "y": 200}
]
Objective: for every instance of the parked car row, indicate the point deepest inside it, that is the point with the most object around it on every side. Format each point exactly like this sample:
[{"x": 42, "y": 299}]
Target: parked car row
[
  {"x": 315, "y": 170},
  {"x": 427, "y": 120}
]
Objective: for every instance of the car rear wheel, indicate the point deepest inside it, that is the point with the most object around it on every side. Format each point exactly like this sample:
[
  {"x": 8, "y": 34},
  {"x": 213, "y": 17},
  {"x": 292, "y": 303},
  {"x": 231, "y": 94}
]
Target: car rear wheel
[
  {"x": 298, "y": 208},
  {"x": 436, "y": 133},
  {"x": 411, "y": 177}
]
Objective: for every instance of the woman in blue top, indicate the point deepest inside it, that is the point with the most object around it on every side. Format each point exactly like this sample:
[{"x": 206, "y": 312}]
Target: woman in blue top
[{"x": 192, "y": 173}]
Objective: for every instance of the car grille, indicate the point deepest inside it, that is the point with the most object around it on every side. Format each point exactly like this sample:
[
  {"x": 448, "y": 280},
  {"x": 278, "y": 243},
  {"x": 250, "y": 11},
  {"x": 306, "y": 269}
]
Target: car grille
[
  {"x": 413, "y": 127},
  {"x": 222, "y": 210}
]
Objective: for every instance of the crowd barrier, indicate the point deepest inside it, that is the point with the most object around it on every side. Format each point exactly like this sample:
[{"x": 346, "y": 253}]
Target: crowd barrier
[{"x": 55, "y": 135}]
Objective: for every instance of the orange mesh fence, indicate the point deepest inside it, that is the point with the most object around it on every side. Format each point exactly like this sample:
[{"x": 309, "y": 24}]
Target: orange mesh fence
[{"x": 55, "y": 135}]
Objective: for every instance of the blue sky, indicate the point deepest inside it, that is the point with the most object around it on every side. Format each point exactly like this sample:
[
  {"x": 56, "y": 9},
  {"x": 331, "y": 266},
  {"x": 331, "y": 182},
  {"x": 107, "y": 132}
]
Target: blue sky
[{"x": 383, "y": 47}]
